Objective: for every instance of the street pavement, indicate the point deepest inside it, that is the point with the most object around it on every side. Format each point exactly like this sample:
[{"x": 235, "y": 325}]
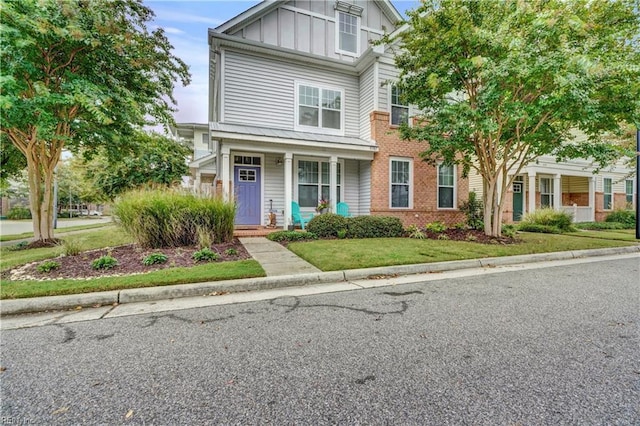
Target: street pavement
[
  {"x": 545, "y": 343},
  {"x": 13, "y": 227}
]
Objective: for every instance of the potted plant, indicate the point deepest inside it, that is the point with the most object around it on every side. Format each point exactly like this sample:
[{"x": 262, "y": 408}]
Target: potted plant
[{"x": 323, "y": 206}]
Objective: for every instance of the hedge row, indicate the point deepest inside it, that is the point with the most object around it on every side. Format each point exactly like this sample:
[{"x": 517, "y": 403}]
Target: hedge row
[{"x": 333, "y": 225}]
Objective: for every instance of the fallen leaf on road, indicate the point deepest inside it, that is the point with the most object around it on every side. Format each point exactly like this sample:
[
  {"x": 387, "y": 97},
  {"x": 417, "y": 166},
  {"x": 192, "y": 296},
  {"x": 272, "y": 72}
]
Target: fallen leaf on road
[
  {"x": 129, "y": 414},
  {"x": 61, "y": 410},
  {"x": 78, "y": 308}
]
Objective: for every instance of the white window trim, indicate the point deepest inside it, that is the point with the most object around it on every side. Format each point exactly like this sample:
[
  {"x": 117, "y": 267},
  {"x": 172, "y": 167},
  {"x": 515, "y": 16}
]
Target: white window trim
[
  {"x": 455, "y": 188},
  {"x": 232, "y": 167},
  {"x": 337, "y": 31},
  {"x": 317, "y": 160},
  {"x": 633, "y": 192},
  {"x": 406, "y": 160},
  {"x": 391, "y": 104},
  {"x": 319, "y": 129},
  {"x": 550, "y": 194},
  {"x": 604, "y": 194}
]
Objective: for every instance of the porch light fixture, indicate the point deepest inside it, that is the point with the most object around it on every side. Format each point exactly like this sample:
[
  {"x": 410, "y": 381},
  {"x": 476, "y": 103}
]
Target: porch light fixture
[{"x": 278, "y": 161}]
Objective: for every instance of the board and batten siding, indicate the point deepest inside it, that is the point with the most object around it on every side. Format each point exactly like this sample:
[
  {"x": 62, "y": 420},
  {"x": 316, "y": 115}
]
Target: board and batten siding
[
  {"x": 310, "y": 27},
  {"x": 261, "y": 92},
  {"x": 367, "y": 90}
]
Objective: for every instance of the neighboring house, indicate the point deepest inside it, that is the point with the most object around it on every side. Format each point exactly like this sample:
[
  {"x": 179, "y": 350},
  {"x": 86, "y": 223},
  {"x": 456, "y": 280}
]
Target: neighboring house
[{"x": 300, "y": 108}]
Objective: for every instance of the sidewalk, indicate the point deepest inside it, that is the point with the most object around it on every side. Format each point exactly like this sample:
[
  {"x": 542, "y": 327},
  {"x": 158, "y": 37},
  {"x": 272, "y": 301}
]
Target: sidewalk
[{"x": 284, "y": 269}]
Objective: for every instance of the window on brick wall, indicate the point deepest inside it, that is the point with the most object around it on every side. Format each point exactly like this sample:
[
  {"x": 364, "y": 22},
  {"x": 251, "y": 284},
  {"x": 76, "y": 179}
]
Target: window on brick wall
[
  {"x": 446, "y": 186},
  {"x": 608, "y": 193},
  {"x": 628, "y": 191},
  {"x": 400, "y": 183}
]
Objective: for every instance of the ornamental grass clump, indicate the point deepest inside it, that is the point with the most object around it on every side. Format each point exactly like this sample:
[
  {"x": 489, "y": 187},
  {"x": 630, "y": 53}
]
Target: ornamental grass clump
[
  {"x": 174, "y": 218},
  {"x": 547, "y": 221}
]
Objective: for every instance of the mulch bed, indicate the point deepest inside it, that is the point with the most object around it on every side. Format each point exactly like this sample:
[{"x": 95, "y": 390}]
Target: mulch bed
[
  {"x": 129, "y": 259},
  {"x": 473, "y": 235}
]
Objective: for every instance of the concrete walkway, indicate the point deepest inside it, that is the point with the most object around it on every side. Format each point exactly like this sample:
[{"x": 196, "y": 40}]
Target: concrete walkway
[{"x": 275, "y": 259}]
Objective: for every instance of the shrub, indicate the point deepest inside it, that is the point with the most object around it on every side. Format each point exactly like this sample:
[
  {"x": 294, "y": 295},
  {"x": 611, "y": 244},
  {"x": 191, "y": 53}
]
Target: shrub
[
  {"x": 173, "y": 218},
  {"x": 204, "y": 236},
  {"x": 231, "y": 252},
  {"x": 436, "y": 227},
  {"x": 48, "y": 266},
  {"x": 374, "y": 227},
  {"x": 282, "y": 236},
  {"x": 327, "y": 225},
  {"x": 155, "y": 259},
  {"x": 414, "y": 232},
  {"x": 472, "y": 208},
  {"x": 626, "y": 217},
  {"x": 22, "y": 245},
  {"x": 471, "y": 237},
  {"x": 205, "y": 255},
  {"x": 342, "y": 234},
  {"x": 600, "y": 225},
  {"x": 443, "y": 237},
  {"x": 71, "y": 247},
  {"x": 534, "y": 227},
  {"x": 560, "y": 220},
  {"x": 18, "y": 213},
  {"x": 104, "y": 262},
  {"x": 509, "y": 230}
]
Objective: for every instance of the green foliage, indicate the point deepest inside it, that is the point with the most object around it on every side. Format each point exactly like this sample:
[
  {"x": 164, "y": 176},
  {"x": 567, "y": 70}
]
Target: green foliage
[
  {"x": 414, "y": 232},
  {"x": 626, "y": 217},
  {"x": 288, "y": 236},
  {"x": 327, "y": 225},
  {"x": 548, "y": 217},
  {"x": 443, "y": 237},
  {"x": 374, "y": 227},
  {"x": 436, "y": 227},
  {"x": 71, "y": 246},
  {"x": 342, "y": 234},
  {"x": 48, "y": 266},
  {"x": 501, "y": 83},
  {"x": 596, "y": 226},
  {"x": 19, "y": 213},
  {"x": 535, "y": 227},
  {"x": 104, "y": 262},
  {"x": 231, "y": 252},
  {"x": 204, "y": 236},
  {"x": 12, "y": 161},
  {"x": 173, "y": 218},
  {"x": 205, "y": 255},
  {"x": 509, "y": 230},
  {"x": 20, "y": 246},
  {"x": 471, "y": 237},
  {"x": 472, "y": 208},
  {"x": 155, "y": 259}
]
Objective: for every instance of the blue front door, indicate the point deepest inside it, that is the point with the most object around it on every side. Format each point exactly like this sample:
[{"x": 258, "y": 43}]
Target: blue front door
[{"x": 247, "y": 191}]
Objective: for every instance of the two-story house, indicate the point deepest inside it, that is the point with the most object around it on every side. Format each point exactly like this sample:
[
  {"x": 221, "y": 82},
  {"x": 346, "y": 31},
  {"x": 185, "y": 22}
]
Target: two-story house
[{"x": 302, "y": 107}]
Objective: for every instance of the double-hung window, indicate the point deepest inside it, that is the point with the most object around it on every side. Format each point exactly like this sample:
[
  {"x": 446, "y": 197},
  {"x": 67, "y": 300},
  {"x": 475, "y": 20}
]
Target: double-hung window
[
  {"x": 314, "y": 180},
  {"x": 628, "y": 191},
  {"x": 608, "y": 193},
  {"x": 399, "y": 108},
  {"x": 319, "y": 108},
  {"x": 546, "y": 192},
  {"x": 400, "y": 182},
  {"x": 446, "y": 186},
  {"x": 348, "y": 33}
]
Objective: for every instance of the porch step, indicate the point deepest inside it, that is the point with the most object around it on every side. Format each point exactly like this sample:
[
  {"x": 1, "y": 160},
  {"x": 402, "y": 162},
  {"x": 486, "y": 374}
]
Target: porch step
[{"x": 254, "y": 231}]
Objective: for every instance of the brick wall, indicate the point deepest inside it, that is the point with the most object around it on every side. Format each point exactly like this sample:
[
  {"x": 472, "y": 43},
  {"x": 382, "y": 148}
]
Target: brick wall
[{"x": 425, "y": 178}]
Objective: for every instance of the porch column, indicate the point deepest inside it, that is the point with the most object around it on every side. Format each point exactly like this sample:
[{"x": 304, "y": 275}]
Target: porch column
[
  {"x": 592, "y": 198},
  {"x": 197, "y": 182},
  {"x": 226, "y": 174},
  {"x": 557, "y": 193},
  {"x": 532, "y": 192},
  {"x": 288, "y": 187},
  {"x": 333, "y": 182}
]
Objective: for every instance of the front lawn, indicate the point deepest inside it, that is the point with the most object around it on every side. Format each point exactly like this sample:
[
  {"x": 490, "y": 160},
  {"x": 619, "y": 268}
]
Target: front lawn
[{"x": 335, "y": 255}]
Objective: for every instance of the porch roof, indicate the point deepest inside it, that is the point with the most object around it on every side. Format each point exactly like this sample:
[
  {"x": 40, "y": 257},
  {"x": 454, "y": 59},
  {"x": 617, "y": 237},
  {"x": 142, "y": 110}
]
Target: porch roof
[{"x": 265, "y": 134}]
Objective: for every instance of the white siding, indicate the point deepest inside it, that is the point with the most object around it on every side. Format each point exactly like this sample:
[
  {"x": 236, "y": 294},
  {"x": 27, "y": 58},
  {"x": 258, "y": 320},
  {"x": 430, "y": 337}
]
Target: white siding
[
  {"x": 367, "y": 91},
  {"x": 352, "y": 185},
  {"x": 365, "y": 189},
  {"x": 475, "y": 183},
  {"x": 387, "y": 72},
  {"x": 273, "y": 187},
  {"x": 261, "y": 92}
]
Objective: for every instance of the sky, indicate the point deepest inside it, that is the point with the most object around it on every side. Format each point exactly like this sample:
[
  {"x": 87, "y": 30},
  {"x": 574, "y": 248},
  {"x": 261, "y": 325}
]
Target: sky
[{"x": 186, "y": 24}]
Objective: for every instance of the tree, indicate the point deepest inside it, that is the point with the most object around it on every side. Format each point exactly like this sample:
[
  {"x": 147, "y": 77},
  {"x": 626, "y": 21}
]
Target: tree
[
  {"x": 12, "y": 162},
  {"x": 79, "y": 73},
  {"x": 154, "y": 160},
  {"x": 502, "y": 83}
]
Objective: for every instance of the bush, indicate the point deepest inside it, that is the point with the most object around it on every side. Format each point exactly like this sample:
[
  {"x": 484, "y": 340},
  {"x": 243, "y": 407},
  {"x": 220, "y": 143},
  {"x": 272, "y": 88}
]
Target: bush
[
  {"x": 597, "y": 226},
  {"x": 71, "y": 247},
  {"x": 342, "y": 234},
  {"x": 472, "y": 208},
  {"x": 414, "y": 232},
  {"x": 289, "y": 236},
  {"x": 543, "y": 229},
  {"x": 327, "y": 225},
  {"x": 48, "y": 266},
  {"x": 22, "y": 245},
  {"x": 374, "y": 227},
  {"x": 173, "y": 218},
  {"x": 560, "y": 220},
  {"x": 18, "y": 213},
  {"x": 104, "y": 262},
  {"x": 436, "y": 227},
  {"x": 509, "y": 230},
  {"x": 155, "y": 259},
  {"x": 626, "y": 217},
  {"x": 231, "y": 252},
  {"x": 205, "y": 255}
]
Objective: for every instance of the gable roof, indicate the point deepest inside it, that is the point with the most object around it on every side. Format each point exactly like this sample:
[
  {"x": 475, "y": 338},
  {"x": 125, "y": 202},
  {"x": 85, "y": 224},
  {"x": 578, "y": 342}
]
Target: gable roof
[{"x": 267, "y": 5}]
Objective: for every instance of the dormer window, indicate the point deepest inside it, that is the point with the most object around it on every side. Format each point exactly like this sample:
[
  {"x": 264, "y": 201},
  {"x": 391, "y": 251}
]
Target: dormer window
[{"x": 348, "y": 28}]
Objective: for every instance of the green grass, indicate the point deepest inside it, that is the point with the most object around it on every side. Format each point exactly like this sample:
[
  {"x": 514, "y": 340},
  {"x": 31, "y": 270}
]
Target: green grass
[
  {"x": 200, "y": 273},
  {"x": 333, "y": 255},
  {"x": 58, "y": 232},
  {"x": 106, "y": 237},
  {"x": 613, "y": 234}
]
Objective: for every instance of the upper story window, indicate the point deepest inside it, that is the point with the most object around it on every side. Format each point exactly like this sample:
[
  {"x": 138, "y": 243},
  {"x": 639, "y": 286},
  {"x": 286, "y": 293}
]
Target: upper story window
[
  {"x": 348, "y": 28},
  {"x": 399, "y": 108},
  {"x": 319, "y": 108}
]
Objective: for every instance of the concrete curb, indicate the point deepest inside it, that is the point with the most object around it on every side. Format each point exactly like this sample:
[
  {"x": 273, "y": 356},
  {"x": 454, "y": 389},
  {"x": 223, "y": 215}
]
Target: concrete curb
[{"x": 147, "y": 294}]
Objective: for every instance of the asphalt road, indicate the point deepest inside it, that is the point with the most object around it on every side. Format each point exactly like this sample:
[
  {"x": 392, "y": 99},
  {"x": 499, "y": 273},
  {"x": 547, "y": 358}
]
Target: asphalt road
[
  {"x": 11, "y": 227},
  {"x": 544, "y": 346}
]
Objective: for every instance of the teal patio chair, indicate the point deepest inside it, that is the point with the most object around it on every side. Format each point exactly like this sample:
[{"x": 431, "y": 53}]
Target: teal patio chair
[
  {"x": 343, "y": 209},
  {"x": 298, "y": 217}
]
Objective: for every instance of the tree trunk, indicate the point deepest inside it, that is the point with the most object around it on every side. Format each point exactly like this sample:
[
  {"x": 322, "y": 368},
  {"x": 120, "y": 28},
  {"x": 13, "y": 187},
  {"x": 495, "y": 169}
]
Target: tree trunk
[{"x": 40, "y": 177}]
